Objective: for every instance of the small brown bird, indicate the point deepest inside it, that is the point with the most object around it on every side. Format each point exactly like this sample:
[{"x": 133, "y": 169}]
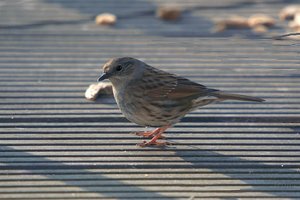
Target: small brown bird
[{"x": 151, "y": 97}]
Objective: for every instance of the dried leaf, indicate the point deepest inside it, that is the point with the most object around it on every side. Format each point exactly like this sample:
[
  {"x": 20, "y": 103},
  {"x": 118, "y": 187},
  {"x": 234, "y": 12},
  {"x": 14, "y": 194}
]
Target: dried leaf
[
  {"x": 261, "y": 20},
  {"x": 289, "y": 12},
  {"x": 94, "y": 90},
  {"x": 106, "y": 19},
  {"x": 170, "y": 13}
]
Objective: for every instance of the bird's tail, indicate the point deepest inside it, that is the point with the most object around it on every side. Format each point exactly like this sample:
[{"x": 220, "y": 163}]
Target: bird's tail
[{"x": 239, "y": 97}]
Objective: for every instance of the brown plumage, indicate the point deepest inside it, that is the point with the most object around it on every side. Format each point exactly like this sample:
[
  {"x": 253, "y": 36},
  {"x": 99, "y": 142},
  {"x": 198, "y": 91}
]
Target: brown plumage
[{"x": 151, "y": 97}]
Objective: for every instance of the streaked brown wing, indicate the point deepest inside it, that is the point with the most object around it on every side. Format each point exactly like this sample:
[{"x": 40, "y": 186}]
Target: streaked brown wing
[
  {"x": 160, "y": 85},
  {"x": 186, "y": 88}
]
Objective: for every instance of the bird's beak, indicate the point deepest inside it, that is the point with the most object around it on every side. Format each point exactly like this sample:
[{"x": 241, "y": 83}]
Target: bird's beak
[{"x": 103, "y": 77}]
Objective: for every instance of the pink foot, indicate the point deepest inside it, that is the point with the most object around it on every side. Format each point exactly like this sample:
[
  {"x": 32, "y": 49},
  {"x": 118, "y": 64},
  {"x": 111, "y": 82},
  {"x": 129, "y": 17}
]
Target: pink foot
[
  {"x": 156, "y": 134},
  {"x": 148, "y": 134}
]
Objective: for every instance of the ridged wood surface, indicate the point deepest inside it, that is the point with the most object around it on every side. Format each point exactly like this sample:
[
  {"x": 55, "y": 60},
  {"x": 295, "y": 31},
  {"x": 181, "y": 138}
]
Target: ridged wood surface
[{"x": 54, "y": 144}]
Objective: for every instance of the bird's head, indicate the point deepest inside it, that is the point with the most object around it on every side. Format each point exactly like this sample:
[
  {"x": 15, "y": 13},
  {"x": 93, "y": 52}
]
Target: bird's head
[{"x": 121, "y": 70}]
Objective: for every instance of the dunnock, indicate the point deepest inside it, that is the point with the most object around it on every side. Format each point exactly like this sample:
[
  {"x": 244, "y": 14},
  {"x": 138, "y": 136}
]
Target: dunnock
[{"x": 151, "y": 97}]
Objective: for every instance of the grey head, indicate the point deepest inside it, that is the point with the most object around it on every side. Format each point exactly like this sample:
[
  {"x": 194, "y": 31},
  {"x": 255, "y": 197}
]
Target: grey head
[{"x": 122, "y": 70}]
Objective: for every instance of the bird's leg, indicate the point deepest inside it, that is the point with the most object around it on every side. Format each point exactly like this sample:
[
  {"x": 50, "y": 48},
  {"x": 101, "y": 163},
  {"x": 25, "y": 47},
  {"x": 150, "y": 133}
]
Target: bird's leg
[
  {"x": 148, "y": 133},
  {"x": 156, "y": 136}
]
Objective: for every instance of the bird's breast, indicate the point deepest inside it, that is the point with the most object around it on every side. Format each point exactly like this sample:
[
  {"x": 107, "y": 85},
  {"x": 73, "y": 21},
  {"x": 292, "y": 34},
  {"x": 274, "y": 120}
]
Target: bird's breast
[
  {"x": 127, "y": 105},
  {"x": 146, "y": 112}
]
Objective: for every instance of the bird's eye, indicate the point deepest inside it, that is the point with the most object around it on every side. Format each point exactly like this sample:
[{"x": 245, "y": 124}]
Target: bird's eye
[{"x": 119, "y": 68}]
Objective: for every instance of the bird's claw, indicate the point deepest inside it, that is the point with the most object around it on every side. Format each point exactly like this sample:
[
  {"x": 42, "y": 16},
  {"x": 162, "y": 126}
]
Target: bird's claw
[{"x": 147, "y": 134}]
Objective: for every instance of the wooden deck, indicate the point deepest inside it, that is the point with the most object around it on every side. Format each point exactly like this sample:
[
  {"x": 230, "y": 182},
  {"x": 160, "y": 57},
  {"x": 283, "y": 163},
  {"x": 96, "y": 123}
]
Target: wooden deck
[{"x": 54, "y": 144}]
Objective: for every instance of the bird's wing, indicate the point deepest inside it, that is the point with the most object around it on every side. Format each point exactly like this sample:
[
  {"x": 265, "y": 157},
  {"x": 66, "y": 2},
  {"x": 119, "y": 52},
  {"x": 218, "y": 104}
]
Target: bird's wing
[{"x": 159, "y": 85}]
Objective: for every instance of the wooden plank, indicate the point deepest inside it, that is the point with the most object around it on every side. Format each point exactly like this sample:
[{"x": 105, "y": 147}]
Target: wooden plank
[{"x": 54, "y": 144}]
